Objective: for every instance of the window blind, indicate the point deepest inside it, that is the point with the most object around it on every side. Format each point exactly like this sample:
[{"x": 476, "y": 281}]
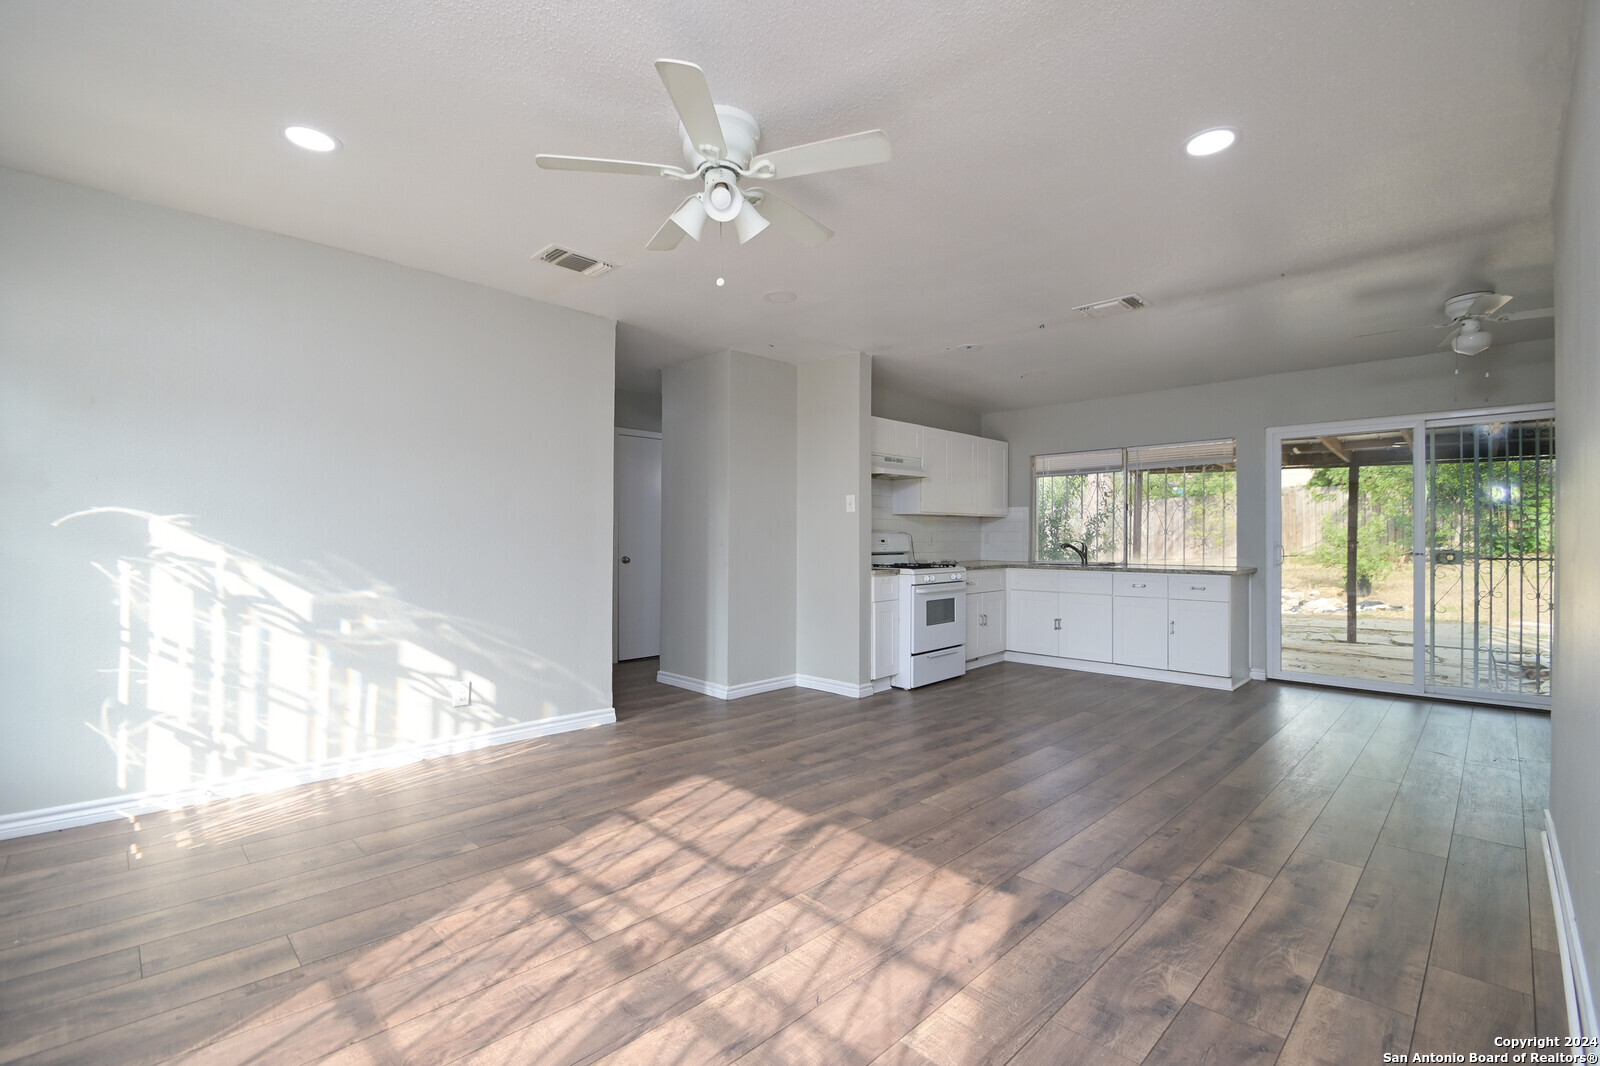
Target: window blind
[
  {"x": 1107, "y": 460},
  {"x": 1179, "y": 456}
]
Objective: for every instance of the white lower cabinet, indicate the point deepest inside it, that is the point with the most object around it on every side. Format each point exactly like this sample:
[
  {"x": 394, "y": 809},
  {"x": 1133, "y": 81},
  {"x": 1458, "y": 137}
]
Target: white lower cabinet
[
  {"x": 1209, "y": 630},
  {"x": 1032, "y": 623},
  {"x": 1188, "y": 626},
  {"x": 1141, "y": 620},
  {"x": 1053, "y": 613},
  {"x": 1086, "y": 626},
  {"x": 986, "y": 624},
  {"x": 986, "y": 613},
  {"x": 885, "y": 626}
]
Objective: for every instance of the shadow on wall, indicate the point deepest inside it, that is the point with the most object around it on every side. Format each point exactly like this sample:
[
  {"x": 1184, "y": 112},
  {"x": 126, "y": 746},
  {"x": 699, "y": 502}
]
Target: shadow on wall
[{"x": 228, "y": 665}]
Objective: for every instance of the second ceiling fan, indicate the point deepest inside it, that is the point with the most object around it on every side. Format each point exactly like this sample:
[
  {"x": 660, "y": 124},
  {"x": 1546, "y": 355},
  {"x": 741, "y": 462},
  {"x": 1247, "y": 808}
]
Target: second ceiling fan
[{"x": 719, "y": 148}]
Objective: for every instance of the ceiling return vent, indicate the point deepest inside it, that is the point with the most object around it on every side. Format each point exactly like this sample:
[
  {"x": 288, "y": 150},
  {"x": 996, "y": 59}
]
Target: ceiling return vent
[
  {"x": 588, "y": 266},
  {"x": 1106, "y": 308}
]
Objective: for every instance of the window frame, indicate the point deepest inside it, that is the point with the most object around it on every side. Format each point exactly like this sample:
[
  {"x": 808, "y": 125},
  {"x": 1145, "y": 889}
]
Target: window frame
[{"x": 1129, "y": 467}]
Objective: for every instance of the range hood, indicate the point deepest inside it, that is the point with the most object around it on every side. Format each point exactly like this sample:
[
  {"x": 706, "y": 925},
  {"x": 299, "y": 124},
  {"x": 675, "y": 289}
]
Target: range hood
[{"x": 896, "y": 466}]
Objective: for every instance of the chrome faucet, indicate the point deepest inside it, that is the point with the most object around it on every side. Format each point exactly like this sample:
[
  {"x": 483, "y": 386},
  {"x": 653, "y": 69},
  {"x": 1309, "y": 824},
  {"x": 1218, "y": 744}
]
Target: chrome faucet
[{"x": 1082, "y": 550}]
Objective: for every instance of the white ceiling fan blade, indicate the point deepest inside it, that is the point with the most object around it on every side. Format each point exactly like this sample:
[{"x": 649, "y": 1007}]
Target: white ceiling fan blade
[
  {"x": 609, "y": 166},
  {"x": 1518, "y": 316},
  {"x": 1474, "y": 305},
  {"x": 1387, "y": 332},
  {"x": 837, "y": 153},
  {"x": 691, "y": 96},
  {"x": 789, "y": 218},
  {"x": 667, "y": 237}
]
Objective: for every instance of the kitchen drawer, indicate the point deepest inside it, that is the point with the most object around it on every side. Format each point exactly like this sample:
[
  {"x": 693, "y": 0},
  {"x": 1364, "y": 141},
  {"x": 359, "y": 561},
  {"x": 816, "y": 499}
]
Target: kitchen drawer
[
  {"x": 885, "y": 587},
  {"x": 1087, "y": 582},
  {"x": 1198, "y": 587},
  {"x": 1033, "y": 580},
  {"x": 1142, "y": 585},
  {"x": 985, "y": 580}
]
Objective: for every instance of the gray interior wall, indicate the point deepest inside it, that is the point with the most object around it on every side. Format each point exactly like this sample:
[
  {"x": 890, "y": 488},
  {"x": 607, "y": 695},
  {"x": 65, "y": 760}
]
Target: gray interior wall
[
  {"x": 1575, "y": 724},
  {"x": 420, "y": 465},
  {"x": 695, "y": 414},
  {"x": 761, "y": 530},
  {"x": 832, "y": 601},
  {"x": 903, "y": 407},
  {"x": 1245, "y": 410},
  {"x": 638, "y": 410},
  {"x": 728, "y": 519}
]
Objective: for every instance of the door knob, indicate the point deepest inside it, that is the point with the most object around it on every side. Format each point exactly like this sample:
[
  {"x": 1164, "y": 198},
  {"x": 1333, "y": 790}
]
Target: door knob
[{"x": 625, "y": 559}]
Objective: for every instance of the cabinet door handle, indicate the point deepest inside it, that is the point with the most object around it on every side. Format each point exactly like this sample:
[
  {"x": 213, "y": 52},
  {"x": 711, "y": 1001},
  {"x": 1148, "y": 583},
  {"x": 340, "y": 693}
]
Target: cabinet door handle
[
  {"x": 1172, "y": 627},
  {"x": 1197, "y": 588},
  {"x": 1139, "y": 585},
  {"x": 1058, "y": 623}
]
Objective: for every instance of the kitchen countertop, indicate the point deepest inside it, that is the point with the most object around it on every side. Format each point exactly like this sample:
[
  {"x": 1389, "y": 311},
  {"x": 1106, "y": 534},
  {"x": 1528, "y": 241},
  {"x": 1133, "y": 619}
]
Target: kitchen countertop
[{"x": 993, "y": 564}]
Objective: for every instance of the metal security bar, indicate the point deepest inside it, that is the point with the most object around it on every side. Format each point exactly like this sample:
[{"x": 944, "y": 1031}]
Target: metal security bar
[{"x": 1490, "y": 562}]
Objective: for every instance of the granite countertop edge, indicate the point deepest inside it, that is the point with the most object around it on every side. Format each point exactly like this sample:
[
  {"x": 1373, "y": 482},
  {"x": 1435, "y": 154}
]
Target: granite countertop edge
[{"x": 995, "y": 564}]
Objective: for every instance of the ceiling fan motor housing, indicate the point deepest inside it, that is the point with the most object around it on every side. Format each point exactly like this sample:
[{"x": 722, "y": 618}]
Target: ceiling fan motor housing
[{"x": 740, "y": 132}]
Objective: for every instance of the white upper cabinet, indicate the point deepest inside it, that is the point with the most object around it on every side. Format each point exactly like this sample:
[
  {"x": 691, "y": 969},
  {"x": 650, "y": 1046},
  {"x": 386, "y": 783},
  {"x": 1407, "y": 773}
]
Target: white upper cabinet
[
  {"x": 964, "y": 475},
  {"x": 896, "y": 438}
]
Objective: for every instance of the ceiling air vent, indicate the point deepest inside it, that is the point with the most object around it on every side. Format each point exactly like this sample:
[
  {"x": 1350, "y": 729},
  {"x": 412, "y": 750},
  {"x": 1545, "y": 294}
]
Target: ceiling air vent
[
  {"x": 588, "y": 266},
  {"x": 1105, "y": 308}
]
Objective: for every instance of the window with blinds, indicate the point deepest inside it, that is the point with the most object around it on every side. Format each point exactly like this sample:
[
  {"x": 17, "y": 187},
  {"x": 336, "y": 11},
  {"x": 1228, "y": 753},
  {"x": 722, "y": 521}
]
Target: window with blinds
[{"x": 1153, "y": 505}]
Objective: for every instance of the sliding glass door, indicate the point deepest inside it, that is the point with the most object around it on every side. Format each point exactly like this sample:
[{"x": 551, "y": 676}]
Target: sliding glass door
[
  {"x": 1347, "y": 574},
  {"x": 1415, "y": 556},
  {"x": 1490, "y": 556}
]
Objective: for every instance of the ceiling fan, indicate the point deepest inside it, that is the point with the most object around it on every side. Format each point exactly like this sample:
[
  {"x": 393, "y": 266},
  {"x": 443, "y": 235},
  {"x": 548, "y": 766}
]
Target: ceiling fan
[
  {"x": 1465, "y": 316},
  {"x": 719, "y": 148}
]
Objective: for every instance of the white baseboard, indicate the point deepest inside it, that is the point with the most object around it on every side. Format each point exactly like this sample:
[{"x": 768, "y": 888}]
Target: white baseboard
[
  {"x": 72, "y": 815},
  {"x": 1581, "y": 1018},
  {"x": 1142, "y": 673},
  {"x": 986, "y": 660},
  {"x": 838, "y": 688},
  {"x": 883, "y": 684},
  {"x": 725, "y": 692},
  {"x": 770, "y": 684},
  {"x": 1258, "y": 673}
]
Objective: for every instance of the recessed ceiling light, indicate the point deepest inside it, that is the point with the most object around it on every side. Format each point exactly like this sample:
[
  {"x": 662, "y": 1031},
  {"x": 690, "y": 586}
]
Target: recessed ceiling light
[
  {"x": 1212, "y": 141},
  {"x": 779, "y": 297},
  {"x": 309, "y": 139}
]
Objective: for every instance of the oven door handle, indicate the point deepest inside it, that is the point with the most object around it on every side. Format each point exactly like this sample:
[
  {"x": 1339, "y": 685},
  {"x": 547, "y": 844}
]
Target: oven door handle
[{"x": 948, "y": 586}]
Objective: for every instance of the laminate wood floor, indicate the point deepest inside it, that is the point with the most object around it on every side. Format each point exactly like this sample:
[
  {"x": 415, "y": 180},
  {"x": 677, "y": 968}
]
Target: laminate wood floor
[{"x": 1022, "y": 866}]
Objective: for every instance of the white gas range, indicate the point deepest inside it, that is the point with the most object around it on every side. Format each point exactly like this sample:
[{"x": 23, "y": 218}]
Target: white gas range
[{"x": 933, "y": 612}]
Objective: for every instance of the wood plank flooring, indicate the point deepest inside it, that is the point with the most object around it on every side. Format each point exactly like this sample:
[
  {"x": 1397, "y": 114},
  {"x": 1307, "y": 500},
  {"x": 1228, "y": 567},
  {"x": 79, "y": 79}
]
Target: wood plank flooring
[{"x": 1019, "y": 866}]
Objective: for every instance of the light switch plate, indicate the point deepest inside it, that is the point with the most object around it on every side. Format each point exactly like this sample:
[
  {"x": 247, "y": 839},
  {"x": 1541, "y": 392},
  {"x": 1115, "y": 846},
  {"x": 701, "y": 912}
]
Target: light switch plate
[
  {"x": 850, "y": 504},
  {"x": 460, "y": 693}
]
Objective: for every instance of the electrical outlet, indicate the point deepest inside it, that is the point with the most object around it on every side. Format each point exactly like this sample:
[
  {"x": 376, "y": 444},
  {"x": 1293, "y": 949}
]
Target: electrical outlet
[{"x": 460, "y": 693}]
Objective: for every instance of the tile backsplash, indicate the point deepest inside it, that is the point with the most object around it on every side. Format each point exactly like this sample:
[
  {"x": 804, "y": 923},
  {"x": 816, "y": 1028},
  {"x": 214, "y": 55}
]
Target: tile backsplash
[
  {"x": 1007, "y": 539},
  {"x": 951, "y": 537}
]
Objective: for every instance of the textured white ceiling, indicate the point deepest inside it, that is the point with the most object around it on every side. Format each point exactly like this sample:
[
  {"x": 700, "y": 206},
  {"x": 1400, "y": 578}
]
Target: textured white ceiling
[{"x": 1392, "y": 155}]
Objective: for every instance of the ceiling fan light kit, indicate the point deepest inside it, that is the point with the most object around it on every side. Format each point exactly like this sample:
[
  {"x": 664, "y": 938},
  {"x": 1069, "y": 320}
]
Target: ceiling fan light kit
[
  {"x": 719, "y": 145},
  {"x": 1471, "y": 339}
]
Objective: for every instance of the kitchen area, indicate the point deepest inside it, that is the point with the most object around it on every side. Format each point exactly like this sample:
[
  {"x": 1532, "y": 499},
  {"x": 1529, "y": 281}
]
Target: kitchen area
[{"x": 955, "y": 585}]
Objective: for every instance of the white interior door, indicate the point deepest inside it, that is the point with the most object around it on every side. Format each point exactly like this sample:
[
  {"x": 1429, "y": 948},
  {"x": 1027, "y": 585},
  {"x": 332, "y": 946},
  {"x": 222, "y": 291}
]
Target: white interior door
[{"x": 638, "y": 544}]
